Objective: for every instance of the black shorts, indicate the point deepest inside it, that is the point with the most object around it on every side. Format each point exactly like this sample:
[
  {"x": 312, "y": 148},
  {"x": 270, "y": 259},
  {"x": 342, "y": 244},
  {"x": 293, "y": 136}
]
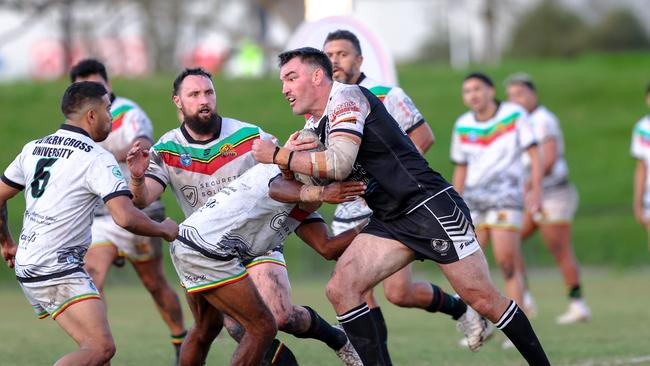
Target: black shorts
[{"x": 439, "y": 229}]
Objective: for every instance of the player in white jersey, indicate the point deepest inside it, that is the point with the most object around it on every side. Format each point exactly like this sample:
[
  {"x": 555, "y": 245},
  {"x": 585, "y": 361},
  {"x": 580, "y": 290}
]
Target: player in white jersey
[
  {"x": 111, "y": 242},
  {"x": 64, "y": 174},
  {"x": 559, "y": 197},
  {"x": 487, "y": 146},
  {"x": 197, "y": 160},
  {"x": 344, "y": 51},
  {"x": 236, "y": 225},
  {"x": 641, "y": 152}
]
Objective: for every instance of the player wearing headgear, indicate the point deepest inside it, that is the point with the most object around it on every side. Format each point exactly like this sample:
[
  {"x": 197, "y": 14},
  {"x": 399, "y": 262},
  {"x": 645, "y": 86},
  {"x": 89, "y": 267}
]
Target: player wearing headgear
[
  {"x": 343, "y": 49},
  {"x": 416, "y": 213},
  {"x": 559, "y": 197},
  {"x": 111, "y": 242},
  {"x": 64, "y": 174},
  {"x": 205, "y": 154}
]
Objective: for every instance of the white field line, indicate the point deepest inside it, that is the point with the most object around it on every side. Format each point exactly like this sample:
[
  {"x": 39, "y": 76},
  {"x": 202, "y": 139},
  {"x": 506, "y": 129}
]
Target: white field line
[{"x": 636, "y": 360}]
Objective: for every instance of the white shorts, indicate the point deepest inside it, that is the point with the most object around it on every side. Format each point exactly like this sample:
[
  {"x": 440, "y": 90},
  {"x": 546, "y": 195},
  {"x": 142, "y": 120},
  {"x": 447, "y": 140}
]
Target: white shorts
[
  {"x": 559, "y": 205},
  {"x": 349, "y": 215},
  {"x": 135, "y": 247},
  {"x": 508, "y": 219},
  {"x": 52, "y": 297}
]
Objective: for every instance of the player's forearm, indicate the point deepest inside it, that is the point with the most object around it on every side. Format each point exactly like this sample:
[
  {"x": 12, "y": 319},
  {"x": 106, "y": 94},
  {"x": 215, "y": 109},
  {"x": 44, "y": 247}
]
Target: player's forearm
[
  {"x": 334, "y": 163},
  {"x": 535, "y": 169},
  {"x": 291, "y": 191},
  {"x": 5, "y": 235},
  {"x": 458, "y": 179},
  {"x": 318, "y": 238},
  {"x": 140, "y": 188},
  {"x": 139, "y": 223},
  {"x": 639, "y": 184}
]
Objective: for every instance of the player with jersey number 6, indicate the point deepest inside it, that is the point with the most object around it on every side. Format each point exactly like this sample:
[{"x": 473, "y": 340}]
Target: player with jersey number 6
[{"x": 64, "y": 174}]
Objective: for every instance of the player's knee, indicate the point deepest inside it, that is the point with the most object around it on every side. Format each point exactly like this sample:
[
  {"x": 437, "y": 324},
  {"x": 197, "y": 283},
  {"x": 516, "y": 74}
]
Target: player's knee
[
  {"x": 103, "y": 350},
  {"x": 399, "y": 296},
  {"x": 507, "y": 269},
  {"x": 334, "y": 291},
  {"x": 264, "y": 327}
]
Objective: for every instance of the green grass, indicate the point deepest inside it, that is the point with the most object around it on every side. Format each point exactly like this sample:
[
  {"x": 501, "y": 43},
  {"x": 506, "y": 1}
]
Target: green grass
[{"x": 618, "y": 331}]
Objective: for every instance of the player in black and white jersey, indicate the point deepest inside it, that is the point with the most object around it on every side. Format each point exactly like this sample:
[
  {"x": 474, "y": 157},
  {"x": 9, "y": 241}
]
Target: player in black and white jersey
[
  {"x": 416, "y": 213},
  {"x": 64, "y": 174},
  {"x": 111, "y": 242},
  {"x": 344, "y": 51}
]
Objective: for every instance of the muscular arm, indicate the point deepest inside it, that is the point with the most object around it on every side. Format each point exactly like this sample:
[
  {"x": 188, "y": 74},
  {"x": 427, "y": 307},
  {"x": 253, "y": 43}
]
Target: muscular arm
[
  {"x": 458, "y": 179},
  {"x": 422, "y": 137},
  {"x": 6, "y": 241},
  {"x": 132, "y": 219},
  {"x": 640, "y": 174},
  {"x": 318, "y": 237},
  {"x": 534, "y": 195},
  {"x": 549, "y": 155},
  {"x": 334, "y": 163}
]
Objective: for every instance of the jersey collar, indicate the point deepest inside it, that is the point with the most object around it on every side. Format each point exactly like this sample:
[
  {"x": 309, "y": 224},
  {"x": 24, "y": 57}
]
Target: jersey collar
[
  {"x": 361, "y": 77},
  {"x": 72, "y": 128}
]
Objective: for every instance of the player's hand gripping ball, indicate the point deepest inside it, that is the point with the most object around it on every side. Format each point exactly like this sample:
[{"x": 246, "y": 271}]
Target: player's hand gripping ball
[{"x": 306, "y": 179}]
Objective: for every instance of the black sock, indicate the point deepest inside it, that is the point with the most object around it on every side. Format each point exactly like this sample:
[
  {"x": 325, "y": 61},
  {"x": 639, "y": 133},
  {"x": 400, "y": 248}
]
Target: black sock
[
  {"x": 177, "y": 342},
  {"x": 445, "y": 303},
  {"x": 279, "y": 354},
  {"x": 575, "y": 292},
  {"x": 363, "y": 334},
  {"x": 323, "y": 331},
  {"x": 380, "y": 324},
  {"x": 516, "y": 326}
]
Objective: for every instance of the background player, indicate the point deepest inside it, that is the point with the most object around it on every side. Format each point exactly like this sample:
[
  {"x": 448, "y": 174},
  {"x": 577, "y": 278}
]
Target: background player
[
  {"x": 487, "y": 144},
  {"x": 559, "y": 197},
  {"x": 130, "y": 124},
  {"x": 64, "y": 175},
  {"x": 416, "y": 213},
  {"x": 641, "y": 152},
  {"x": 343, "y": 49},
  {"x": 206, "y": 153}
]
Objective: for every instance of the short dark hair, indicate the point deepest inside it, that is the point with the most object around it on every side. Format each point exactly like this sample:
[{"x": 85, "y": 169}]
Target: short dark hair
[
  {"x": 79, "y": 94},
  {"x": 521, "y": 78},
  {"x": 481, "y": 76},
  {"x": 88, "y": 67},
  {"x": 346, "y": 35},
  {"x": 185, "y": 73},
  {"x": 308, "y": 55}
]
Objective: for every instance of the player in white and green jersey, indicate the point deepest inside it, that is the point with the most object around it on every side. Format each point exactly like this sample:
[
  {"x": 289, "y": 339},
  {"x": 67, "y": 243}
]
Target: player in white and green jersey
[
  {"x": 197, "y": 160},
  {"x": 487, "y": 147},
  {"x": 344, "y": 51},
  {"x": 559, "y": 197},
  {"x": 64, "y": 175},
  {"x": 111, "y": 243}
]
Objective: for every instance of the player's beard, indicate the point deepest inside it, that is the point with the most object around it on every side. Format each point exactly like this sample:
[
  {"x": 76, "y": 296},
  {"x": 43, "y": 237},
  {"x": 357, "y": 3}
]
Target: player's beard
[{"x": 202, "y": 126}]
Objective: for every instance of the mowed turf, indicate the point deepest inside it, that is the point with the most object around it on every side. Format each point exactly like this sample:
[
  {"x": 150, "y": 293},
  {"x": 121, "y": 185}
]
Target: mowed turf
[{"x": 617, "y": 335}]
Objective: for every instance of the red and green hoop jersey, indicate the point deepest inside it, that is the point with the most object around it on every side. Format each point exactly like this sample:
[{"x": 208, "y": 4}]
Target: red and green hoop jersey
[
  {"x": 398, "y": 104},
  {"x": 640, "y": 150},
  {"x": 130, "y": 122},
  {"x": 197, "y": 170},
  {"x": 546, "y": 126},
  {"x": 241, "y": 220},
  {"x": 64, "y": 175},
  {"x": 492, "y": 151}
]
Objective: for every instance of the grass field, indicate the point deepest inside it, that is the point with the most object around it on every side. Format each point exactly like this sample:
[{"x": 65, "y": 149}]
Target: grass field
[{"x": 618, "y": 334}]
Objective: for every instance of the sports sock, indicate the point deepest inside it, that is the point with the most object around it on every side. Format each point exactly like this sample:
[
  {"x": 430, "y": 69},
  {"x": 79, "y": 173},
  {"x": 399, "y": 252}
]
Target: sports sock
[
  {"x": 445, "y": 303},
  {"x": 363, "y": 334},
  {"x": 575, "y": 292},
  {"x": 279, "y": 354},
  {"x": 177, "y": 341},
  {"x": 323, "y": 331},
  {"x": 516, "y": 326},
  {"x": 380, "y": 324}
]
